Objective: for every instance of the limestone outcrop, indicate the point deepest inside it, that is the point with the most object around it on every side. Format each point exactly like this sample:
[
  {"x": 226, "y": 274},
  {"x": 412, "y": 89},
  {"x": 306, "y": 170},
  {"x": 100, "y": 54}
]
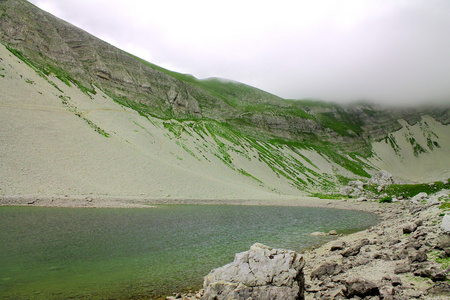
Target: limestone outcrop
[{"x": 260, "y": 273}]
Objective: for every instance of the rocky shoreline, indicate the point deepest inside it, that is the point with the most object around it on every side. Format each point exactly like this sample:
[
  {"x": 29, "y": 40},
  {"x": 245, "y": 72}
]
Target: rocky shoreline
[
  {"x": 405, "y": 256},
  {"x": 395, "y": 259}
]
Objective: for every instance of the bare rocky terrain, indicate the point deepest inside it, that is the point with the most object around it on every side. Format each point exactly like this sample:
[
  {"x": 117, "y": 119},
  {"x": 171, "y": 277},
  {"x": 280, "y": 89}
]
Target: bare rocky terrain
[{"x": 394, "y": 260}]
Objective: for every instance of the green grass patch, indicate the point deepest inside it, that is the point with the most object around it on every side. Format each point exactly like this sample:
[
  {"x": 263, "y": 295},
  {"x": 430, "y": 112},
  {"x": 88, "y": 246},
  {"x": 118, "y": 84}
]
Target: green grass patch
[
  {"x": 444, "y": 262},
  {"x": 445, "y": 206},
  {"x": 328, "y": 196},
  {"x": 387, "y": 199},
  {"x": 393, "y": 143},
  {"x": 95, "y": 127},
  {"x": 410, "y": 190},
  {"x": 245, "y": 173},
  {"x": 175, "y": 128},
  {"x": 341, "y": 122}
]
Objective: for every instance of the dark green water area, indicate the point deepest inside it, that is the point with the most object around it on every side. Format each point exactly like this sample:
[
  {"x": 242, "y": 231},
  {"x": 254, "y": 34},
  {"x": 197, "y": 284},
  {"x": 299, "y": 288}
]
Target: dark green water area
[{"x": 79, "y": 253}]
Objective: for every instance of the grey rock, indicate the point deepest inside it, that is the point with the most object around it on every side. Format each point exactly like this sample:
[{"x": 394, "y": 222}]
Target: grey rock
[
  {"x": 445, "y": 225},
  {"x": 381, "y": 255},
  {"x": 443, "y": 241},
  {"x": 440, "y": 289},
  {"x": 436, "y": 199},
  {"x": 417, "y": 199},
  {"x": 360, "y": 287},
  {"x": 395, "y": 280},
  {"x": 354, "y": 250},
  {"x": 318, "y": 233},
  {"x": 417, "y": 256},
  {"x": 332, "y": 294},
  {"x": 402, "y": 268},
  {"x": 409, "y": 228},
  {"x": 409, "y": 294},
  {"x": 387, "y": 292},
  {"x": 381, "y": 178},
  {"x": 326, "y": 269},
  {"x": 439, "y": 276},
  {"x": 353, "y": 189},
  {"x": 260, "y": 273},
  {"x": 361, "y": 261},
  {"x": 338, "y": 245},
  {"x": 332, "y": 232},
  {"x": 393, "y": 241},
  {"x": 413, "y": 245},
  {"x": 423, "y": 273},
  {"x": 313, "y": 288},
  {"x": 346, "y": 190},
  {"x": 358, "y": 184},
  {"x": 402, "y": 254},
  {"x": 356, "y": 193}
]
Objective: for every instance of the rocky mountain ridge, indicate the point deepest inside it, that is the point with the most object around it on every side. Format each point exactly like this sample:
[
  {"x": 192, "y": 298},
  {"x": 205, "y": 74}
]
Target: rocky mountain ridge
[
  {"x": 242, "y": 134},
  {"x": 78, "y": 57}
]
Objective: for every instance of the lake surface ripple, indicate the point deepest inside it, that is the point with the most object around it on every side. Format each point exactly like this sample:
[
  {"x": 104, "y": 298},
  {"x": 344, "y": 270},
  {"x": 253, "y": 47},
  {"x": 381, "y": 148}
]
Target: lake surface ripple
[{"x": 54, "y": 253}]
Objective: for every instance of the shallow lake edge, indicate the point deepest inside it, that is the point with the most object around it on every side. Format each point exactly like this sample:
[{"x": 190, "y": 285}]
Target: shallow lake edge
[{"x": 141, "y": 202}]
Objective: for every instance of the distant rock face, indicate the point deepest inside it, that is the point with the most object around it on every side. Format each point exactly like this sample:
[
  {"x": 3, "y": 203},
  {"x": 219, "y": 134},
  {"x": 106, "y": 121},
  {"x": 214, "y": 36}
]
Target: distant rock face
[
  {"x": 261, "y": 273},
  {"x": 381, "y": 178}
]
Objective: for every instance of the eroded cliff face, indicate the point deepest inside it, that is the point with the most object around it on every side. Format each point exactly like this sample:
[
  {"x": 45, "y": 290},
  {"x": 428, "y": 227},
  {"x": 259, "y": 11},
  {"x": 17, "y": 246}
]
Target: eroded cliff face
[
  {"x": 60, "y": 47},
  {"x": 67, "y": 51}
]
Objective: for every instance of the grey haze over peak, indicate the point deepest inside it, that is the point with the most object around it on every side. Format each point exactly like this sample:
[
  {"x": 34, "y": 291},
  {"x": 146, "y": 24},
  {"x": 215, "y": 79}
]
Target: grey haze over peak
[{"x": 389, "y": 52}]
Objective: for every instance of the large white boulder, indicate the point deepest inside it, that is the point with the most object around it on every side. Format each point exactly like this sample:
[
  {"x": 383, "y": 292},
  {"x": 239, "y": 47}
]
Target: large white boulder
[
  {"x": 445, "y": 225},
  {"x": 261, "y": 273}
]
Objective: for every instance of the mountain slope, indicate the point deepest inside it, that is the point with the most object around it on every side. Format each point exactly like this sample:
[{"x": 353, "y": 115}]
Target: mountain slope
[{"x": 80, "y": 116}]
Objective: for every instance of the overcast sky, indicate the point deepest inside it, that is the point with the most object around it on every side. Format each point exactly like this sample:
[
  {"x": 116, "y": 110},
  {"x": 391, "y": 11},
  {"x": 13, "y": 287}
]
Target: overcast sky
[{"x": 386, "y": 51}]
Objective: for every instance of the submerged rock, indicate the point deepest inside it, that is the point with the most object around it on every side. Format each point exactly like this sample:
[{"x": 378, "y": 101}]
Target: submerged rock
[
  {"x": 260, "y": 273},
  {"x": 318, "y": 233}
]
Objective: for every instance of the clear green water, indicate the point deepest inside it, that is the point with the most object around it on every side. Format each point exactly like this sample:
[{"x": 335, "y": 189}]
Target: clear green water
[{"x": 55, "y": 253}]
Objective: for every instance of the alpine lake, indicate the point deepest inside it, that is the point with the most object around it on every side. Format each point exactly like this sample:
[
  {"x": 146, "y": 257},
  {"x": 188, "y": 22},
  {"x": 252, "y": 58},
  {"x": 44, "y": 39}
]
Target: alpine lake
[{"x": 146, "y": 253}]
